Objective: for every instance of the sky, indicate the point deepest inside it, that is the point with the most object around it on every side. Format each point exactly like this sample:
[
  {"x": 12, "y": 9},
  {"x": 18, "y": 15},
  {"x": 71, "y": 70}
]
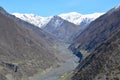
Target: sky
[{"x": 55, "y": 7}]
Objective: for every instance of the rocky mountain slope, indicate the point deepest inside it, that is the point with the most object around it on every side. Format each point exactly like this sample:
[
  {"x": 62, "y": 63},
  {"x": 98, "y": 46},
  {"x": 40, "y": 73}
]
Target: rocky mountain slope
[
  {"x": 97, "y": 32},
  {"x": 102, "y": 40},
  {"x": 24, "y": 48},
  {"x": 62, "y": 29}
]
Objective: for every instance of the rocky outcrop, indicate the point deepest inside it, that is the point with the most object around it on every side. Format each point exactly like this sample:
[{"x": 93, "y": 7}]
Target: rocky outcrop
[{"x": 10, "y": 66}]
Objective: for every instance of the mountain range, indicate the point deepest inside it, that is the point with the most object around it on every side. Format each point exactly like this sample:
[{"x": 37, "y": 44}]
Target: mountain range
[
  {"x": 64, "y": 26},
  {"x": 72, "y": 17}
]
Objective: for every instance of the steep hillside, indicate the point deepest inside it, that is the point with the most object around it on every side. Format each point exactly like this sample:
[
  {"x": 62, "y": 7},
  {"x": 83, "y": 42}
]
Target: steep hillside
[
  {"x": 24, "y": 50},
  {"x": 103, "y": 45},
  {"x": 97, "y": 32},
  {"x": 62, "y": 29},
  {"x": 102, "y": 63}
]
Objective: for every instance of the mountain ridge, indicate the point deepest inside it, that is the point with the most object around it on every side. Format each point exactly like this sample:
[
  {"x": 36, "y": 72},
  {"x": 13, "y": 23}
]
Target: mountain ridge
[
  {"x": 73, "y": 17},
  {"x": 62, "y": 26}
]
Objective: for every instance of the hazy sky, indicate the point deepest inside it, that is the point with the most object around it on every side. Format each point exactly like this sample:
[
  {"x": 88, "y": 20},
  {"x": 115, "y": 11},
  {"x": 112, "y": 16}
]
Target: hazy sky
[{"x": 54, "y": 7}]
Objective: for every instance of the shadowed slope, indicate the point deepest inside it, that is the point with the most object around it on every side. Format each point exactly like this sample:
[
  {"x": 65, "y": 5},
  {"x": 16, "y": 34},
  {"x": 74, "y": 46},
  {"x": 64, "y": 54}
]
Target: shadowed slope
[{"x": 104, "y": 46}]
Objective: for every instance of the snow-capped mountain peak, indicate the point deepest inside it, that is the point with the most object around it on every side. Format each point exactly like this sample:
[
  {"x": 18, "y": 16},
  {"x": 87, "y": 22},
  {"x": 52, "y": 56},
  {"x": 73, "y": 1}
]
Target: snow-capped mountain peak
[
  {"x": 73, "y": 17},
  {"x": 34, "y": 19},
  {"x": 78, "y": 18}
]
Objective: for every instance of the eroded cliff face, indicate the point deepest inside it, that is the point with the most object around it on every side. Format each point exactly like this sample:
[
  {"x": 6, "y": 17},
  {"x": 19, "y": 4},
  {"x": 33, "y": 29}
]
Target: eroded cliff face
[{"x": 102, "y": 40}]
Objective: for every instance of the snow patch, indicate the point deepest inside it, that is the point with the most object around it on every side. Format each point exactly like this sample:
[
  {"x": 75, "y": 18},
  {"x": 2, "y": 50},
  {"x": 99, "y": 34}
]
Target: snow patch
[{"x": 58, "y": 23}]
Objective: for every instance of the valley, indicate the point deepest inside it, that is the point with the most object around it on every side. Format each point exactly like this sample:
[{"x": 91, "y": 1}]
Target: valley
[
  {"x": 64, "y": 68},
  {"x": 68, "y": 46},
  {"x": 32, "y": 51}
]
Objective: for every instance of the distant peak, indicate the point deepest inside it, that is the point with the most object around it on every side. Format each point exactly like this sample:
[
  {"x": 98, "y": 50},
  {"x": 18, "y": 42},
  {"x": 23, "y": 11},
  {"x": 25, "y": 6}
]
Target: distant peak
[
  {"x": 55, "y": 16},
  {"x": 77, "y": 18}
]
